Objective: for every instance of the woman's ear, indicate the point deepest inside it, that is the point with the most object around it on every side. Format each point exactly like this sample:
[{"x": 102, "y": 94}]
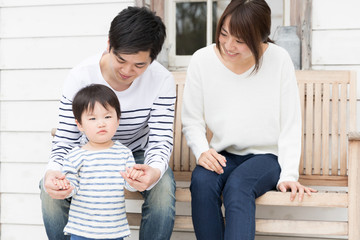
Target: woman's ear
[
  {"x": 108, "y": 46},
  {"x": 79, "y": 125}
]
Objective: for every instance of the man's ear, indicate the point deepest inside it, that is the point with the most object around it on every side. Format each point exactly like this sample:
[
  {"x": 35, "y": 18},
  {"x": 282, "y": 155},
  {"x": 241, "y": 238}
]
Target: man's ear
[{"x": 79, "y": 125}]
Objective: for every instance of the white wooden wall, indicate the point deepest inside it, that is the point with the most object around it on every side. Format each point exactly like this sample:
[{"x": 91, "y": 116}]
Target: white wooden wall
[
  {"x": 40, "y": 40},
  {"x": 336, "y": 38}
]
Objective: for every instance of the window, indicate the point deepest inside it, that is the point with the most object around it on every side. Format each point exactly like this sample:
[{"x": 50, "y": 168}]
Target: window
[{"x": 190, "y": 28}]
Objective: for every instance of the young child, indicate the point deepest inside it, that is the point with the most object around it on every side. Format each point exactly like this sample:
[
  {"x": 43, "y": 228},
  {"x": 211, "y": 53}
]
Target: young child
[{"x": 97, "y": 208}]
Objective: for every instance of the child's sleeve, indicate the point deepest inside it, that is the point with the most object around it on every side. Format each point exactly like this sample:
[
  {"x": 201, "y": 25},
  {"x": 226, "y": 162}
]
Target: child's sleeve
[
  {"x": 130, "y": 162},
  {"x": 71, "y": 174}
]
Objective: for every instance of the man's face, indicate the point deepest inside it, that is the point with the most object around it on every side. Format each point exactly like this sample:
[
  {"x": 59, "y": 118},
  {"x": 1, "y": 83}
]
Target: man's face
[{"x": 125, "y": 68}]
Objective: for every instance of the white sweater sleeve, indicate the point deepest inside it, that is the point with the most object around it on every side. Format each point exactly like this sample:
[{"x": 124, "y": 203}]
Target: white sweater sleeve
[
  {"x": 289, "y": 143},
  {"x": 192, "y": 116}
]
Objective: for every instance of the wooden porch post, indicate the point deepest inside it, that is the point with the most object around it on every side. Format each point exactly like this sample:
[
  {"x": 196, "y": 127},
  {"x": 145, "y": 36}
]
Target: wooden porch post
[
  {"x": 158, "y": 7},
  {"x": 300, "y": 16}
]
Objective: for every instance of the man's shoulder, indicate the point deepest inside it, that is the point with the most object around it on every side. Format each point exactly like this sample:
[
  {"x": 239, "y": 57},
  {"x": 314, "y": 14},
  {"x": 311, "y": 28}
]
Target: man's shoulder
[
  {"x": 89, "y": 62},
  {"x": 157, "y": 75},
  {"x": 157, "y": 68}
]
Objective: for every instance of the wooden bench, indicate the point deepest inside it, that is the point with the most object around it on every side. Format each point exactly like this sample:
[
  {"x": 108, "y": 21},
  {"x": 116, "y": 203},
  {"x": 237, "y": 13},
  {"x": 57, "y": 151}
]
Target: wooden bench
[{"x": 330, "y": 157}]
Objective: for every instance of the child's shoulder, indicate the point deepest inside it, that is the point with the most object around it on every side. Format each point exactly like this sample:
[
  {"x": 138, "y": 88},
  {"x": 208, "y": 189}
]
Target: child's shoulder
[
  {"x": 75, "y": 151},
  {"x": 119, "y": 146}
]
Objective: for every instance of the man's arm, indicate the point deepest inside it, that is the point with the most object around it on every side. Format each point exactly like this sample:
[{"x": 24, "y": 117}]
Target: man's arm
[
  {"x": 161, "y": 121},
  {"x": 67, "y": 136}
]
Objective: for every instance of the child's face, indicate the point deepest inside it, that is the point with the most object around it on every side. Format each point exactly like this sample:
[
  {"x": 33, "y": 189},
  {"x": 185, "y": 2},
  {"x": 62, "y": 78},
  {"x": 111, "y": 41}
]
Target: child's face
[{"x": 99, "y": 125}]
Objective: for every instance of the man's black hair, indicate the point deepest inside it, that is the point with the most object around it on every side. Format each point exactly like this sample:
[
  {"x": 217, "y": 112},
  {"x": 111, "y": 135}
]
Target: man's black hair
[{"x": 137, "y": 29}]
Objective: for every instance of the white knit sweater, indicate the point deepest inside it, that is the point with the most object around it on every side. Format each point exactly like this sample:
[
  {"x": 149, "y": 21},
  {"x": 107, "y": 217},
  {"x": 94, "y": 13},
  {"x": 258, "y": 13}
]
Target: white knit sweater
[{"x": 258, "y": 113}]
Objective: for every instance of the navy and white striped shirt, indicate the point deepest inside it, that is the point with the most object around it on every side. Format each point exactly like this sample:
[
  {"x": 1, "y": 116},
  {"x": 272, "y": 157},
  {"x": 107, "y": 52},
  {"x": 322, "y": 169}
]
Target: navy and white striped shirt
[
  {"x": 147, "y": 113},
  {"x": 97, "y": 207}
]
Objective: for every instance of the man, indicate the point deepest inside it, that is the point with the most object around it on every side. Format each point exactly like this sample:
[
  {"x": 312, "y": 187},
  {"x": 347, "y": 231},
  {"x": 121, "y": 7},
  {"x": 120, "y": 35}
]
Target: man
[{"x": 146, "y": 91}]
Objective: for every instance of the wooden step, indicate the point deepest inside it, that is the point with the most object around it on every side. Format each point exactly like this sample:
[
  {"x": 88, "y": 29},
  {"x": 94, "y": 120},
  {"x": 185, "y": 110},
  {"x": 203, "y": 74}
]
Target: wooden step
[{"x": 184, "y": 223}]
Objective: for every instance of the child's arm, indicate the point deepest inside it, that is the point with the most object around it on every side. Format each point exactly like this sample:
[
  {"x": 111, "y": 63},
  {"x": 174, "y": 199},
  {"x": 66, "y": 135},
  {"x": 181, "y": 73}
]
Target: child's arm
[
  {"x": 72, "y": 176},
  {"x": 131, "y": 172}
]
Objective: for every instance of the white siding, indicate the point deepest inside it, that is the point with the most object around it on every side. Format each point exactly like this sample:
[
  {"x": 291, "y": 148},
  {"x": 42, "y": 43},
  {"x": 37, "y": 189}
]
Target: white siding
[
  {"x": 335, "y": 38},
  {"x": 40, "y": 40}
]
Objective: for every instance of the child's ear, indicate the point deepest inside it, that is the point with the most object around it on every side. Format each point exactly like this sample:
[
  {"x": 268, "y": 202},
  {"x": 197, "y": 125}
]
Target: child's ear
[{"x": 79, "y": 125}]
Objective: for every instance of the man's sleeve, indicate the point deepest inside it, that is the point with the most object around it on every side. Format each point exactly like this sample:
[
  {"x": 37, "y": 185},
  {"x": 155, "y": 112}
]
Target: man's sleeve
[{"x": 161, "y": 121}]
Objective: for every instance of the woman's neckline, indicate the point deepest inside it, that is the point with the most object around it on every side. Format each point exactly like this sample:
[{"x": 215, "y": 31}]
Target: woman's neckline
[{"x": 247, "y": 70}]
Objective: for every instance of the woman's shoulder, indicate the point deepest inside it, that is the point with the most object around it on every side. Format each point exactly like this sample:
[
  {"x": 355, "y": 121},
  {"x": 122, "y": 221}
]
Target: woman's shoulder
[
  {"x": 205, "y": 51},
  {"x": 275, "y": 51},
  {"x": 204, "y": 56}
]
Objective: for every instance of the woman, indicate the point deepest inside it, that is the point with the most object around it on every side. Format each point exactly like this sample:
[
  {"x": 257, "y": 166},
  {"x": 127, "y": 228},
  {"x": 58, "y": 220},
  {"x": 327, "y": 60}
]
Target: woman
[{"x": 244, "y": 89}]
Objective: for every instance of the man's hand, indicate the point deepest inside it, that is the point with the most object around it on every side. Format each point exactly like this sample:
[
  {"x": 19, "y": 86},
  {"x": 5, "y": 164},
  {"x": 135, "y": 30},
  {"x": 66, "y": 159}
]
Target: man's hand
[
  {"x": 295, "y": 187},
  {"x": 213, "y": 161},
  {"x": 149, "y": 176},
  {"x": 52, "y": 188}
]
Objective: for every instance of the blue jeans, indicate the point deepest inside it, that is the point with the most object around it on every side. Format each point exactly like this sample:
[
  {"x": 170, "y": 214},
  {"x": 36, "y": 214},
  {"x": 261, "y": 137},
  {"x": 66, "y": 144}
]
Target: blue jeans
[
  {"x": 244, "y": 179},
  {"x": 158, "y": 209},
  {"x": 75, "y": 237}
]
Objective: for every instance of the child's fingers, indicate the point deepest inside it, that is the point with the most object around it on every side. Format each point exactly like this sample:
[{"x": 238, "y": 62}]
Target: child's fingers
[
  {"x": 135, "y": 175},
  {"x": 131, "y": 173},
  {"x": 62, "y": 184}
]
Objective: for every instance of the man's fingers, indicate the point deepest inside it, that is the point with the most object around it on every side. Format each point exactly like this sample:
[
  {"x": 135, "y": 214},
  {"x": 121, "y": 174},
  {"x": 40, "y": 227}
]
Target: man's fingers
[{"x": 60, "y": 194}]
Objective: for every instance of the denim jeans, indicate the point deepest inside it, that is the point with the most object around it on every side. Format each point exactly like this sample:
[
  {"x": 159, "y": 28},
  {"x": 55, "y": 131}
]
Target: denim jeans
[
  {"x": 244, "y": 179},
  {"x": 158, "y": 209}
]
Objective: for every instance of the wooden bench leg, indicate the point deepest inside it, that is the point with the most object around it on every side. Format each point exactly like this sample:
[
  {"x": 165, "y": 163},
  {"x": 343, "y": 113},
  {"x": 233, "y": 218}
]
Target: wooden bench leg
[{"x": 354, "y": 187}]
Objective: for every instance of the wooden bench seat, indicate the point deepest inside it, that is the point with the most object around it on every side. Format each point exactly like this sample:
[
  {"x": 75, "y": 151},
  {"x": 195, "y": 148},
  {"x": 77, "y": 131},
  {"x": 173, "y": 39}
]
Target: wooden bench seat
[{"x": 330, "y": 157}]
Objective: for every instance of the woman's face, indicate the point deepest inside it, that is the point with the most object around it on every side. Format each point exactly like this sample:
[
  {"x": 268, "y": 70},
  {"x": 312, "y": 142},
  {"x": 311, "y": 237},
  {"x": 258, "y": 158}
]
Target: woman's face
[{"x": 233, "y": 49}]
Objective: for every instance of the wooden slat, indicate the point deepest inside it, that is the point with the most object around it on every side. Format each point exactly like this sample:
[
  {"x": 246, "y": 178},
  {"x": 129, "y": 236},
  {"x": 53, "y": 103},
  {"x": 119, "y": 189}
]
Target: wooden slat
[
  {"x": 178, "y": 128},
  {"x": 183, "y": 176},
  {"x": 301, "y": 227},
  {"x": 301, "y": 87},
  {"x": 326, "y": 77},
  {"x": 343, "y": 130},
  {"x": 335, "y": 129},
  {"x": 324, "y": 180},
  {"x": 352, "y": 102},
  {"x": 317, "y": 129},
  {"x": 185, "y": 155},
  {"x": 182, "y": 223},
  {"x": 320, "y": 199},
  {"x": 325, "y": 129},
  {"x": 309, "y": 129}
]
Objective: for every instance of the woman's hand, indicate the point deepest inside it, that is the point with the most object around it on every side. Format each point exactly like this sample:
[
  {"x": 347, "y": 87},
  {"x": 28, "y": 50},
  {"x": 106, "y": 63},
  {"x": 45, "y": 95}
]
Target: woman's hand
[
  {"x": 212, "y": 161},
  {"x": 295, "y": 187}
]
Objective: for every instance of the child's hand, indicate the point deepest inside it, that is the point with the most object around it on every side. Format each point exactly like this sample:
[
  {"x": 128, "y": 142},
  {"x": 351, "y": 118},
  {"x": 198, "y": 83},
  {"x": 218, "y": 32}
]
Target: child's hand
[
  {"x": 133, "y": 173},
  {"x": 63, "y": 184}
]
